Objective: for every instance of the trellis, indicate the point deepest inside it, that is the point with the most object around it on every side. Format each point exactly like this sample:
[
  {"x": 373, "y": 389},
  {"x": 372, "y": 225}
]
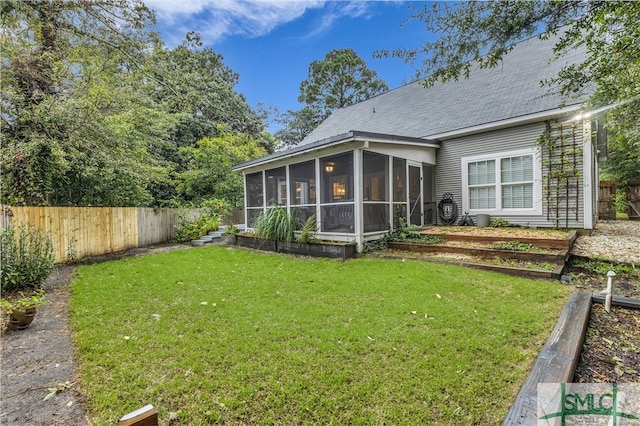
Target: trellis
[{"x": 561, "y": 154}]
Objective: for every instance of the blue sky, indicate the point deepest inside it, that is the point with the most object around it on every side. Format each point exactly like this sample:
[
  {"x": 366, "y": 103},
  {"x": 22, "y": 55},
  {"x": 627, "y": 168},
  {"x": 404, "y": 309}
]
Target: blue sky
[{"x": 270, "y": 43}]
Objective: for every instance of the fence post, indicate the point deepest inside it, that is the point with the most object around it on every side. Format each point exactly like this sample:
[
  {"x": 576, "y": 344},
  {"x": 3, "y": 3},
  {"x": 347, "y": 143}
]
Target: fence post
[{"x": 7, "y": 217}]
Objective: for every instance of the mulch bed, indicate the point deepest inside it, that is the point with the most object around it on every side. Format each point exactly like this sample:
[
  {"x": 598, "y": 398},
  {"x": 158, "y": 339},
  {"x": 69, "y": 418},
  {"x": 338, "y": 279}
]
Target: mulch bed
[{"x": 611, "y": 350}]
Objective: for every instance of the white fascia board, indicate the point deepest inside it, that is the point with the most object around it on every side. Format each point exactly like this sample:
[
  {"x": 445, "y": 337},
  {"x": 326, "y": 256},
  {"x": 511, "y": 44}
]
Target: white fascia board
[
  {"x": 516, "y": 121},
  {"x": 398, "y": 142},
  {"x": 259, "y": 165}
]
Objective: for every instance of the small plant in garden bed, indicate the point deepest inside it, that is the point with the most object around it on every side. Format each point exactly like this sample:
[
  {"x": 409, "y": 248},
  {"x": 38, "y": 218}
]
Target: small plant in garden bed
[
  {"x": 514, "y": 246},
  {"x": 231, "y": 230},
  {"x": 602, "y": 267},
  {"x": 403, "y": 234},
  {"x": 498, "y": 222},
  {"x": 308, "y": 231}
]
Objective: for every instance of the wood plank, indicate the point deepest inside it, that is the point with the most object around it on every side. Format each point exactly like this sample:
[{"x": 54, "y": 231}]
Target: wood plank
[
  {"x": 482, "y": 252},
  {"x": 538, "y": 242},
  {"x": 625, "y": 302},
  {"x": 557, "y": 360},
  {"x": 94, "y": 230},
  {"x": 145, "y": 416}
]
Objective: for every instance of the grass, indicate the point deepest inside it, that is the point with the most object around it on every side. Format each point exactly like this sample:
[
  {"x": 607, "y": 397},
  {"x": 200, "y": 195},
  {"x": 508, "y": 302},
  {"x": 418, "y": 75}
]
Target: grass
[{"x": 221, "y": 335}]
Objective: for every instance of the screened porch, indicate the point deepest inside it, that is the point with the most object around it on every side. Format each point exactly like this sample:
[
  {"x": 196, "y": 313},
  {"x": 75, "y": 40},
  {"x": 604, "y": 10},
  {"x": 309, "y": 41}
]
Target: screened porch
[{"x": 356, "y": 195}]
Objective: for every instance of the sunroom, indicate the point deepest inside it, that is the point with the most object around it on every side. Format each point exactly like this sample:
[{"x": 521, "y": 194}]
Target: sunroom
[{"x": 359, "y": 185}]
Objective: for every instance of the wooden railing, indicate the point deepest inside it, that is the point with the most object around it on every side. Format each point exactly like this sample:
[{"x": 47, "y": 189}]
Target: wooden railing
[{"x": 79, "y": 232}]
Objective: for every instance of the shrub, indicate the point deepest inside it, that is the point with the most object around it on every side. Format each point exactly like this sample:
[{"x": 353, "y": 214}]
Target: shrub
[
  {"x": 26, "y": 257},
  {"x": 191, "y": 227},
  {"x": 308, "y": 231},
  {"x": 275, "y": 224},
  {"x": 498, "y": 222},
  {"x": 404, "y": 233}
]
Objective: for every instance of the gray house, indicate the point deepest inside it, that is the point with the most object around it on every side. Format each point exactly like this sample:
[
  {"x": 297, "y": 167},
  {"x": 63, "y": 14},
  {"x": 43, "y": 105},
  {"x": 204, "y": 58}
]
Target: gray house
[{"x": 497, "y": 144}]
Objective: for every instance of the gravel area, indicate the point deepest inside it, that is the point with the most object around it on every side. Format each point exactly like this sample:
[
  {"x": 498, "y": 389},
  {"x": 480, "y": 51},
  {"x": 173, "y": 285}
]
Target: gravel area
[{"x": 615, "y": 241}]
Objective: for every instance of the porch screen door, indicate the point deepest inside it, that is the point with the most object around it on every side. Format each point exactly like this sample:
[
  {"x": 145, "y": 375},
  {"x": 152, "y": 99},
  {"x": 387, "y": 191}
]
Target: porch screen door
[{"x": 415, "y": 192}]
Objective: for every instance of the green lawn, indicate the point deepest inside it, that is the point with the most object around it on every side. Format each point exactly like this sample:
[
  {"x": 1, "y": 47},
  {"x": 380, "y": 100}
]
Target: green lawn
[{"x": 221, "y": 335}]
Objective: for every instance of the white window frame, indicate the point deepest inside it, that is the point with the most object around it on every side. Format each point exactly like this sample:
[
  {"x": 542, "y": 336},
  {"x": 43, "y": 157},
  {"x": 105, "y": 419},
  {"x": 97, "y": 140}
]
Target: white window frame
[{"x": 499, "y": 210}]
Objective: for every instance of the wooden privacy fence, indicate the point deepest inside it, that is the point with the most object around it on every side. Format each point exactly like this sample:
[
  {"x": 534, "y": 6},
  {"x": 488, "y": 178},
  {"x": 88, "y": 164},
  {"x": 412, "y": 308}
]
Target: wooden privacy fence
[
  {"x": 89, "y": 231},
  {"x": 607, "y": 200}
]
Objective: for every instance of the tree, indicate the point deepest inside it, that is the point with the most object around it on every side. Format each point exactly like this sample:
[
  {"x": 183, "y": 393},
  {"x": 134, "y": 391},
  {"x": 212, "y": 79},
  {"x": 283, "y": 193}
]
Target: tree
[
  {"x": 95, "y": 108},
  {"x": 194, "y": 86},
  {"x": 341, "y": 79},
  {"x": 209, "y": 175},
  {"x": 67, "y": 70},
  {"x": 485, "y": 31},
  {"x": 297, "y": 125}
]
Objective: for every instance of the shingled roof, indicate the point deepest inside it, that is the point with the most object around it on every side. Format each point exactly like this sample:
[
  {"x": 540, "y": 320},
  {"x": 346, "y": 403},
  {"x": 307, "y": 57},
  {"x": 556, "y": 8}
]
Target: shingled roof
[{"x": 510, "y": 90}]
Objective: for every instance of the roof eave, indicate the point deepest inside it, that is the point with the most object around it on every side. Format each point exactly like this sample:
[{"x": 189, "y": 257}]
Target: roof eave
[
  {"x": 350, "y": 136},
  {"x": 510, "y": 122}
]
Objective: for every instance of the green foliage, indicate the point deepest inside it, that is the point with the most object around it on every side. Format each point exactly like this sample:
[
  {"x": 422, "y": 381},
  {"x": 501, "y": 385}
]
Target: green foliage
[
  {"x": 297, "y": 125},
  {"x": 231, "y": 230},
  {"x": 310, "y": 227},
  {"x": 472, "y": 32},
  {"x": 342, "y": 78},
  {"x": 498, "y": 222},
  {"x": 75, "y": 122},
  {"x": 621, "y": 203},
  {"x": 209, "y": 165},
  {"x": 602, "y": 267},
  {"x": 403, "y": 234},
  {"x": 95, "y": 109},
  {"x": 276, "y": 224},
  {"x": 26, "y": 257},
  {"x": 514, "y": 246},
  {"x": 196, "y": 222},
  {"x": 23, "y": 301}
]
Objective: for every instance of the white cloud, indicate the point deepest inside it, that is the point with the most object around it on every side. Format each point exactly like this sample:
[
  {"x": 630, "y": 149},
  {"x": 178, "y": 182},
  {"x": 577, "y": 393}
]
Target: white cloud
[
  {"x": 336, "y": 11},
  {"x": 216, "y": 19}
]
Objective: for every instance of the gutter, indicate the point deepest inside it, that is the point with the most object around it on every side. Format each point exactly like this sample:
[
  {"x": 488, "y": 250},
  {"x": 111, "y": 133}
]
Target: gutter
[{"x": 525, "y": 119}]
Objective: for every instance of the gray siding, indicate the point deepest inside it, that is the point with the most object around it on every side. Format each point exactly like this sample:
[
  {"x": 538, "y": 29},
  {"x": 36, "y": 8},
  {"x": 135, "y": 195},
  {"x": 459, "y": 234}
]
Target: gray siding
[{"x": 449, "y": 173}]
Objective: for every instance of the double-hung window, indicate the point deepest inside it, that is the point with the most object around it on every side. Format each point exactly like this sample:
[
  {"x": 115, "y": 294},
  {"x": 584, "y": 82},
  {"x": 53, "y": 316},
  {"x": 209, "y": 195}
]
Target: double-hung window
[{"x": 502, "y": 183}]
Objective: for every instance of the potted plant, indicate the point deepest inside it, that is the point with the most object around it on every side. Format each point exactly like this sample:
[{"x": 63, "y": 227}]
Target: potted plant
[
  {"x": 230, "y": 234},
  {"x": 22, "y": 311}
]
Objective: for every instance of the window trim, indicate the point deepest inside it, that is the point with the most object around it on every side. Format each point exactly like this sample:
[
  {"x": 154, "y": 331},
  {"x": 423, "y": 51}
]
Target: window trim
[{"x": 499, "y": 210}]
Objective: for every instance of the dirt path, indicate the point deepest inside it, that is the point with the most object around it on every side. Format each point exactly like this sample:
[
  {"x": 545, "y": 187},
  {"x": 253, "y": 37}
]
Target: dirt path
[{"x": 39, "y": 359}]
